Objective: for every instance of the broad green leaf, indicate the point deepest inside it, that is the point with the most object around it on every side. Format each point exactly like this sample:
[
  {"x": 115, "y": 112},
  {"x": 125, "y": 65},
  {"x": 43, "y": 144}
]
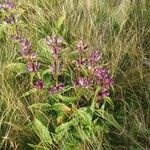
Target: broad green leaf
[
  {"x": 60, "y": 107},
  {"x": 60, "y": 22},
  {"x": 84, "y": 134},
  {"x": 84, "y": 115},
  {"x": 46, "y": 72},
  {"x": 64, "y": 127},
  {"x": 67, "y": 99},
  {"x": 42, "y": 131},
  {"x": 46, "y": 76},
  {"x": 62, "y": 130},
  {"x": 19, "y": 68}
]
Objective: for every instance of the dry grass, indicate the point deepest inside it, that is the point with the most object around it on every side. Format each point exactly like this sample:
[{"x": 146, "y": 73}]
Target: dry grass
[{"x": 121, "y": 30}]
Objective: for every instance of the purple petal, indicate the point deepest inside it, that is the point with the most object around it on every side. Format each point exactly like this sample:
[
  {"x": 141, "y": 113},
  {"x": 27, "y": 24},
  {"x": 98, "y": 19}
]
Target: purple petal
[
  {"x": 82, "y": 81},
  {"x": 60, "y": 86},
  {"x": 56, "y": 88},
  {"x": 52, "y": 90},
  {"x": 7, "y": 5},
  {"x": 39, "y": 84},
  {"x": 33, "y": 66},
  {"x": 54, "y": 40},
  {"x": 95, "y": 56}
]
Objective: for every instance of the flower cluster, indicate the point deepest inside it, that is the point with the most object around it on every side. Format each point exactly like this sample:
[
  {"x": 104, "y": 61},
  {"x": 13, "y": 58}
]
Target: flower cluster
[
  {"x": 28, "y": 54},
  {"x": 94, "y": 57},
  {"x": 82, "y": 81},
  {"x": 54, "y": 43},
  {"x": 10, "y": 19},
  {"x": 88, "y": 72},
  {"x": 8, "y": 6},
  {"x": 39, "y": 84},
  {"x": 95, "y": 74},
  {"x": 104, "y": 79},
  {"x": 31, "y": 58}
]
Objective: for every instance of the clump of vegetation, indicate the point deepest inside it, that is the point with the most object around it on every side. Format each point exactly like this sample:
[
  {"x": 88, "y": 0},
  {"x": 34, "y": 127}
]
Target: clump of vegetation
[
  {"x": 74, "y": 75},
  {"x": 77, "y": 92}
]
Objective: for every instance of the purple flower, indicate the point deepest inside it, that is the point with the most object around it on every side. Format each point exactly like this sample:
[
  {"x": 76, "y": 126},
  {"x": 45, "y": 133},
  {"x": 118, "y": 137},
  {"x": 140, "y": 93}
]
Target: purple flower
[
  {"x": 82, "y": 81},
  {"x": 56, "y": 49},
  {"x": 55, "y": 43},
  {"x": 7, "y": 5},
  {"x": 56, "y": 88},
  {"x": 100, "y": 72},
  {"x": 10, "y": 19},
  {"x": 105, "y": 80},
  {"x": 103, "y": 93},
  {"x": 52, "y": 90},
  {"x": 25, "y": 47},
  {"x": 81, "y": 46},
  {"x": 95, "y": 56},
  {"x": 54, "y": 40},
  {"x": 80, "y": 62},
  {"x": 32, "y": 56},
  {"x": 108, "y": 81},
  {"x": 33, "y": 66},
  {"x": 60, "y": 87},
  {"x": 39, "y": 84}
]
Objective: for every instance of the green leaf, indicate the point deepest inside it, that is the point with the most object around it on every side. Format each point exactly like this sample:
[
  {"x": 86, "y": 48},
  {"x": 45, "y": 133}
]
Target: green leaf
[
  {"x": 63, "y": 129},
  {"x": 46, "y": 72},
  {"x": 19, "y": 68},
  {"x": 60, "y": 22},
  {"x": 67, "y": 99},
  {"x": 42, "y": 131},
  {"x": 42, "y": 106},
  {"x": 37, "y": 147},
  {"x": 60, "y": 107},
  {"x": 94, "y": 99},
  {"x": 46, "y": 76},
  {"x": 84, "y": 115}
]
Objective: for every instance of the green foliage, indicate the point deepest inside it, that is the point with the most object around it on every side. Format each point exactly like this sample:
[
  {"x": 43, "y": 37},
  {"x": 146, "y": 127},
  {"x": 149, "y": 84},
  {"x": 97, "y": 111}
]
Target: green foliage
[
  {"x": 72, "y": 119},
  {"x": 18, "y": 68},
  {"x": 42, "y": 132}
]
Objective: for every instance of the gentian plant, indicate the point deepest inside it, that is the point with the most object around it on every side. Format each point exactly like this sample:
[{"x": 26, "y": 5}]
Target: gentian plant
[
  {"x": 77, "y": 87},
  {"x": 77, "y": 91}
]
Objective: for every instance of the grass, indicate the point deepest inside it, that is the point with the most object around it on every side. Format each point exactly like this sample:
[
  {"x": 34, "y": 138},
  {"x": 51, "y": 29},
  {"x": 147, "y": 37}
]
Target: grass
[{"x": 120, "y": 29}]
